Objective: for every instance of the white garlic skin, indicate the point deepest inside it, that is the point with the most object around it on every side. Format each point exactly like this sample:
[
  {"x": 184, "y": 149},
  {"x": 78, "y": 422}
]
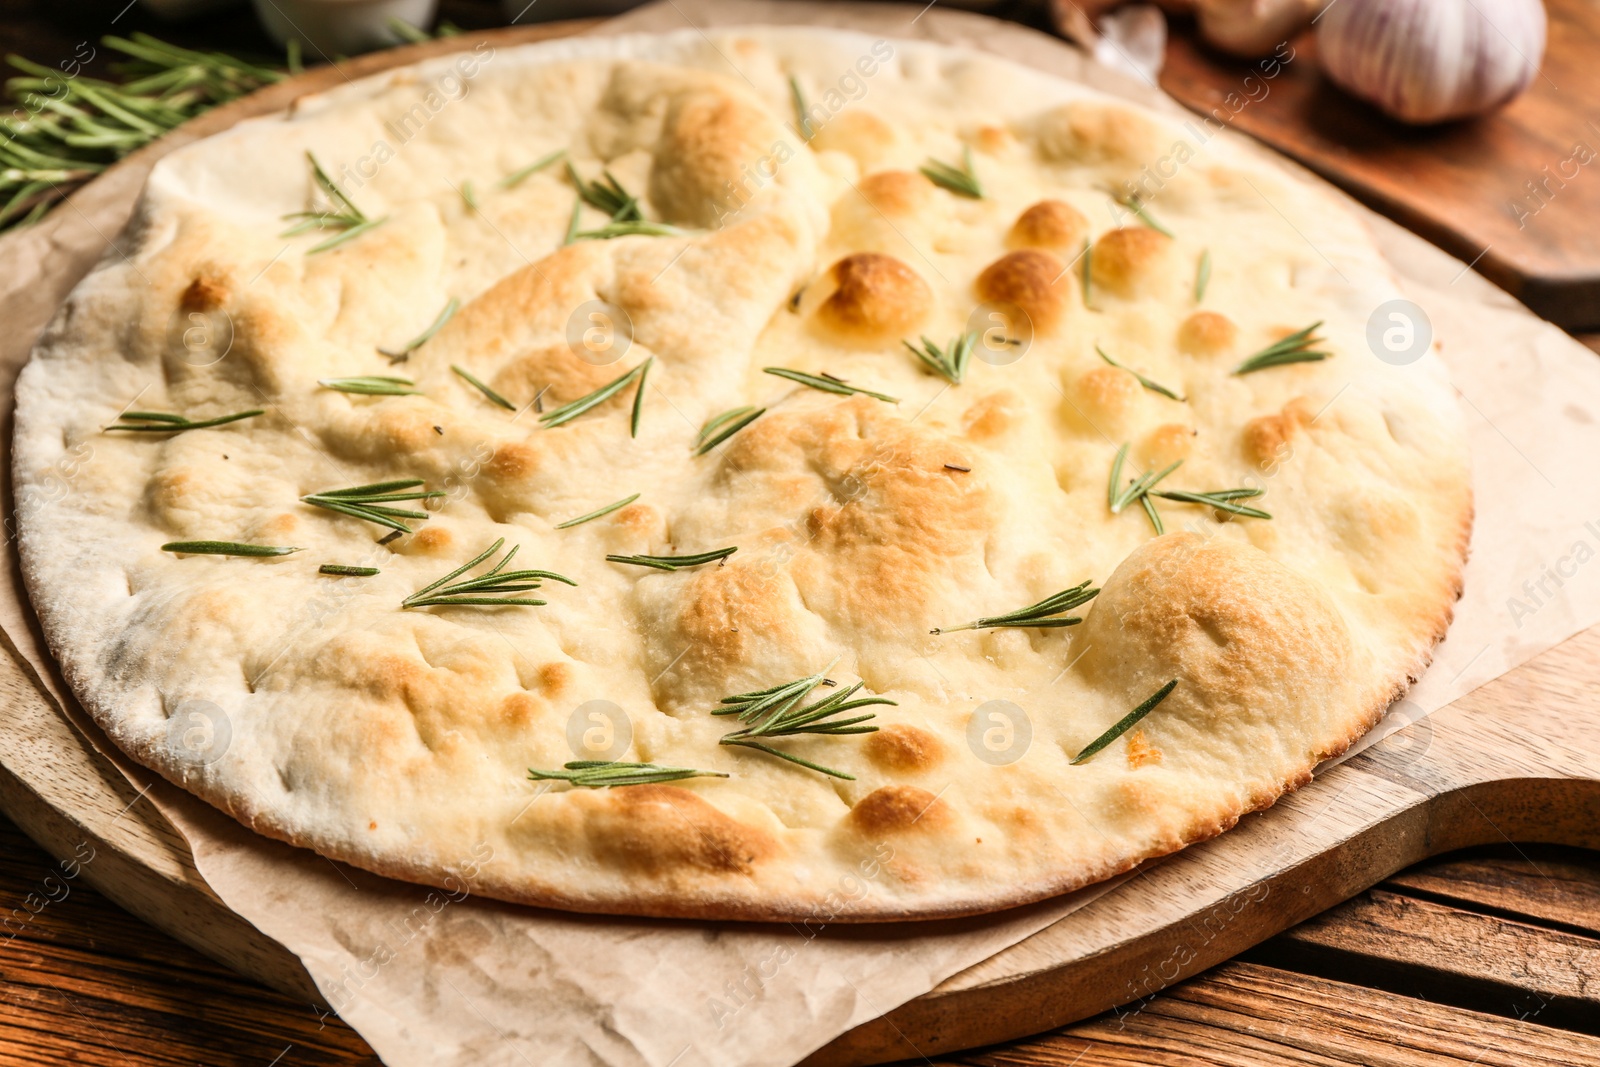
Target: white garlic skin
[{"x": 1425, "y": 61}]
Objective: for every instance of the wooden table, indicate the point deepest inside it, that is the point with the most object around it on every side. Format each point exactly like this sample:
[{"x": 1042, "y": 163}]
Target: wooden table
[{"x": 1488, "y": 958}]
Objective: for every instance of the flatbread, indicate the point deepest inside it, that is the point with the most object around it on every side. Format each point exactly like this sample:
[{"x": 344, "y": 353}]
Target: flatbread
[{"x": 320, "y": 711}]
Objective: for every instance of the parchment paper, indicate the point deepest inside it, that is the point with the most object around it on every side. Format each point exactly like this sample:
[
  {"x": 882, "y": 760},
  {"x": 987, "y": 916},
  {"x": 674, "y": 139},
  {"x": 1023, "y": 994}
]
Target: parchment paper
[{"x": 445, "y": 979}]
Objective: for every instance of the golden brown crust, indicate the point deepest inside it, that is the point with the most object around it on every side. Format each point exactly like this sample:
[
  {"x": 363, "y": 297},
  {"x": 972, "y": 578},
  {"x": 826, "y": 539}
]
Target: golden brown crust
[
  {"x": 1053, "y": 225},
  {"x": 1033, "y": 280},
  {"x": 876, "y": 298}
]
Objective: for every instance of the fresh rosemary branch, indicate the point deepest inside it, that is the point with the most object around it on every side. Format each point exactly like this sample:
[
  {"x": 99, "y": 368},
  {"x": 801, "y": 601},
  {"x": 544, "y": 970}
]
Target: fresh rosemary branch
[
  {"x": 372, "y": 502},
  {"x": 599, "y": 513},
  {"x": 802, "y": 116},
  {"x": 517, "y": 177},
  {"x": 345, "y": 216},
  {"x": 606, "y": 194},
  {"x": 603, "y": 774},
  {"x": 1296, "y": 348},
  {"x": 344, "y": 571},
  {"x": 488, "y": 589},
  {"x": 445, "y": 315},
  {"x": 951, "y": 361},
  {"x": 776, "y": 712},
  {"x": 962, "y": 180},
  {"x": 721, "y": 427},
  {"x": 163, "y": 422},
  {"x": 1046, "y": 613},
  {"x": 371, "y": 385},
  {"x": 627, "y": 228},
  {"x": 827, "y": 385},
  {"x": 571, "y": 410},
  {"x": 1135, "y": 205},
  {"x": 493, "y": 396},
  {"x": 225, "y": 548},
  {"x": 675, "y": 563},
  {"x": 1125, "y": 724},
  {"x": 66, "y": 128},
  {"x": 1202, "y": 275},
  {"x": 1154, "y": 387},
  {"x": 1137, "y": 489},
  {"x": 1220, "y": 499}
]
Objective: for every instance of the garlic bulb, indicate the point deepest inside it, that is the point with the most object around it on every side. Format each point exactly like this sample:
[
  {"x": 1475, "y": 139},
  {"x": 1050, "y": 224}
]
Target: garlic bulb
[
  {"x": 1252, "y": 28},
  {"x": 1430, "y": 60}
]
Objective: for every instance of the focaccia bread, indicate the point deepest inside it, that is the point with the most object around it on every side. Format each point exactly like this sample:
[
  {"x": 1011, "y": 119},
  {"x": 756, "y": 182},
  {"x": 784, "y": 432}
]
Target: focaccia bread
[{"x": 1011, "y": 315}]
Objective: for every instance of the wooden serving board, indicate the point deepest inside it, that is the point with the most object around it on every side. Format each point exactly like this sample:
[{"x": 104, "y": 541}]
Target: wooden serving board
[
  {"x": 1514, "y": 761},
  {"x": 1516, "y": 187}
]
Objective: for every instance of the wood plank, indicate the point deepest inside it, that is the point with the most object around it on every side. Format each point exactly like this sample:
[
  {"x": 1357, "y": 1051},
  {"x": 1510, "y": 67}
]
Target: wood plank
[
  {"x": 1248, "y": 1015},
  {"x": 1544, "y": 886},
  {"x": 1455, "y": 183},
  {"x": 1420, "y": 947}
]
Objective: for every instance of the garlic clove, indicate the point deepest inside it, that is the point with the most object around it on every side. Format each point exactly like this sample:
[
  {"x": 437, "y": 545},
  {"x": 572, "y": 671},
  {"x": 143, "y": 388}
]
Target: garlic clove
[
  {"x": 1252, "y": 28},
  {"x": 1426, "y": 61}
]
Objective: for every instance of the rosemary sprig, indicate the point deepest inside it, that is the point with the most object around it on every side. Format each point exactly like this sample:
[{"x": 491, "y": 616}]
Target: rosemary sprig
[
  {"x": 445, "y": 315},
  {"x": 517, "y": 177},
  {"x": 1154, "y": 387},
  {"x": 802, "y": 115},
  {"x": 721, "y": 427},
  {"x": 488, "y": 589},
  {"x": 372, "y": 502},
  {"x": 675, "y": 563},
  {"x": 483, "y": 388},
  {"x": 342, "y": 570},
  {"x": 371, "y": 385},
  {"x": 627, "y": 228},
  {"x": 951, "y": 361},
  {"x": 776, "y": 712},
  {"x": 1220, "y": 499},
  {"x": 165, "y": 422},
  {"x": 571, "y": 410},
  {"x": 606, "y": 194},
  {"x": 1296, "y": 348},
  {"x": 345, "y": 216},
  {"x": 1138, "y": 489},
  {"x": 962, "y": 180},
  {"x": 827, "y": 385},
  {"x": 1140, "y": 212},
  {"x": 1202, "y": 275},
  {"x": 599, "y": 513},
  {"x": 1125, "y": 724},
  {"x": 1045, "y": 614},
  {"x": 603, "y": 774},
  {"x": 67, "y": 129},
  {"x": 225, "y": 548}
]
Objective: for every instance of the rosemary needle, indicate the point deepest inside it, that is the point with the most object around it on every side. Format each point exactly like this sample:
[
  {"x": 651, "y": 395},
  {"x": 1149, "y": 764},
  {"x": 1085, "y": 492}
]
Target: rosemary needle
[
  {"x": 627, "y": 228},
  {"x": 372, "y": 502},
  {"x": 1088, "y": 264},
  {"x": 572, "y": 223},
  {"x": 517, "y": 177},
  {"x": 638, "y": 398},
  {"x": 1296, "y": 348},
  {"x": 1221, "y": 499},
  {"x": 962, "y": 180},
  {"x": 606, "y": 194},
  {"x": 469, "y": 197},
  {"x": 1202, "y": 275},
  {"x": 1137, "y": 489},
  {"x": 571, "y": 410},
  {"x": 826, "y": 384},
  {"x": 603, "y": 774},
  {"x": 675, "y": 563},
  {"x": 776, "y": 712},
  {"x": 1135, "y": 205},
  {"x": 371, "y": 385},
  {"x": 343, "y": 571},
  {"x": 1154, "y": 387},
  {"x": 493, "y": 396},
  {"x": 721, "y": 427},
  {"x": 488, "y": 589},
  {"x": 444, "y": 316},
  {"x": 1126, "y": 723},
  {"x": 951, "y": 361},
  {"x": 225, "y": 548},
  {"x": 1046, "y": 613},
  {"x": 599, "y": 513},
  {"x": 163, "y": 422},
  {"x": 802, "y": 115}
]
